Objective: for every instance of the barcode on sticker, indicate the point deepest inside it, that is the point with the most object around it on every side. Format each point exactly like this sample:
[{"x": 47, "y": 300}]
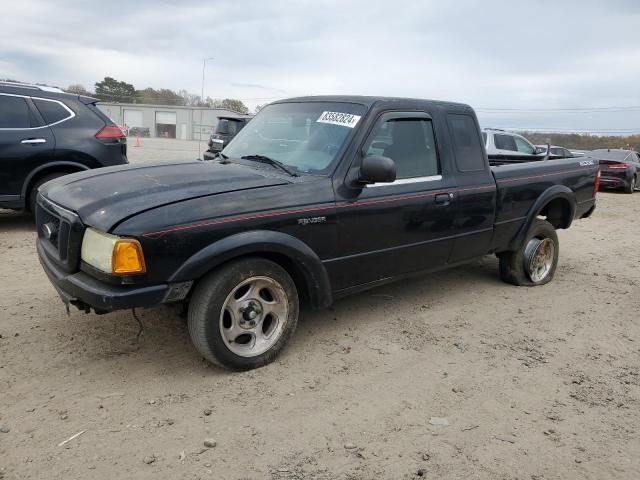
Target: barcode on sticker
[{"x": 338, "y": 118}]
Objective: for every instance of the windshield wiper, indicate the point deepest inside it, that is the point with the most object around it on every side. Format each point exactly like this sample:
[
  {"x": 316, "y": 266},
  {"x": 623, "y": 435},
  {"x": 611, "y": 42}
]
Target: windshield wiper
[{"x": 270, "y": 161}]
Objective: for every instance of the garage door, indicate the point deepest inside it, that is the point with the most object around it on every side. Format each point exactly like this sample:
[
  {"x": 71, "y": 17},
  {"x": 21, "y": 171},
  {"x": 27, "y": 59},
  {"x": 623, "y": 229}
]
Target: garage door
[
  {"x": 133, "y": 118},
  {"x": 166, "y": 124},
  {"x": 166, "y": 118}
]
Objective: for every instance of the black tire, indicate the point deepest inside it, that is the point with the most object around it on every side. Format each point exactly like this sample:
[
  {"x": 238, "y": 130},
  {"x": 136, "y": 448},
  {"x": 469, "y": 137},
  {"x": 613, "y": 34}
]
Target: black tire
[
  {"x": 632, "y": 185},
  {"x": 515, "y": 266},
  {"x": 33, "y": 193},
  {"x": 206, "y": 310}
]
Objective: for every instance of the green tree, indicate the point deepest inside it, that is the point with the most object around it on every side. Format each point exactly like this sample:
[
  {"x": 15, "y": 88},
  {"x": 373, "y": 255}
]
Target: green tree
[
  {"x": 163, "y": 96},
  {"x": 112, "y": 90}
]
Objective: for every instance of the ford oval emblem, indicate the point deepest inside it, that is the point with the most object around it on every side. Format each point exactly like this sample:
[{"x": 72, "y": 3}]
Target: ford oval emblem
[{"x": 49, "y": 231}]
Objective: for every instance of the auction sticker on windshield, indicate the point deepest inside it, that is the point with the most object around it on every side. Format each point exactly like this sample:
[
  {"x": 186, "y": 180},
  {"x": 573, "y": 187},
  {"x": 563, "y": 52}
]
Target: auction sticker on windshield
[{"x": 337, "y": 118}]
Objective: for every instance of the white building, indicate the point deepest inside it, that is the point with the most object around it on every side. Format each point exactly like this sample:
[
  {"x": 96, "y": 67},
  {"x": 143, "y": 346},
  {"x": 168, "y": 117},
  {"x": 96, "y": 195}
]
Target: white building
[{"x": 168, "y": 121}]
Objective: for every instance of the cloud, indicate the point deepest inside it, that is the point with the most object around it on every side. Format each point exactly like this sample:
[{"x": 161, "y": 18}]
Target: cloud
[{"x": 497, "y": 53}]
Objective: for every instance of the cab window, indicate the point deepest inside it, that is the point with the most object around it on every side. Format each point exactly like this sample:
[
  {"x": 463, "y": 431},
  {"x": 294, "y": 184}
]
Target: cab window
[
  {"x": 505, "y": 142},
  {"x": 410, "y": 143}
]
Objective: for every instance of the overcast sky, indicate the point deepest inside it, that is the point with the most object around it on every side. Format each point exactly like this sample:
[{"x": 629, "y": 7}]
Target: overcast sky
[{"x": 555, "y": 56}]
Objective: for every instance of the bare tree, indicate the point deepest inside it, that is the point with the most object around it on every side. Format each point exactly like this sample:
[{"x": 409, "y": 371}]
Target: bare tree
[{"x": 78, "y": 90}]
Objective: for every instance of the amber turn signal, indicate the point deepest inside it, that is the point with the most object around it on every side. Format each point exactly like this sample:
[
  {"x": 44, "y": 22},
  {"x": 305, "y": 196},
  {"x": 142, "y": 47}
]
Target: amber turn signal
[{"x": 127, "y": 257}]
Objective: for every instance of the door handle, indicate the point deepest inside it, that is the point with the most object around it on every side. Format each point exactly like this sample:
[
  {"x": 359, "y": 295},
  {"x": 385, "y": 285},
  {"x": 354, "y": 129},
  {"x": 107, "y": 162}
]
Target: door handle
[
  {"x": 443, "y": 198},
  {"x": 33, "y": 141}
]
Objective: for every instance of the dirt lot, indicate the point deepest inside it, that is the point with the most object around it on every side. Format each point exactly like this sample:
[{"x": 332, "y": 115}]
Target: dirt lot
[
  {"x": 162, "y": 149},
  {"x": 538, "y": 383}
]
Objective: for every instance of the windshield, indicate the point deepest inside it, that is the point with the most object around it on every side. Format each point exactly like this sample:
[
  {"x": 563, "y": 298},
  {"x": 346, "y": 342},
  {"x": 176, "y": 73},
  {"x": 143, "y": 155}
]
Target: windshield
[{"x": 304, "y": 136}]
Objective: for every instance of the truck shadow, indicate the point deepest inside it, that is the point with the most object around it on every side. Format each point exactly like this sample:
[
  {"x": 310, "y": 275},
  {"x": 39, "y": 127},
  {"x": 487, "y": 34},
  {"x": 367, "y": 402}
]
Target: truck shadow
[
  {"x": 13, "y": 221},
  {"x": 166, "y": 346}
]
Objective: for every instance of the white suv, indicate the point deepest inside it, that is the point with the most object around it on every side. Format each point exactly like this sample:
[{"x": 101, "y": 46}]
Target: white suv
[{"x": 500, "y": 142}]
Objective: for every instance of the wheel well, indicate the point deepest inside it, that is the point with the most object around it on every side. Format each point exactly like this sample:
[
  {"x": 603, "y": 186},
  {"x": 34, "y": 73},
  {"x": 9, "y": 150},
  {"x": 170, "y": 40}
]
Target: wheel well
[
  {"x": 285, "y": 262},
  {"x": 66, "y": 169},
  {"x": 557, "y": 212}
]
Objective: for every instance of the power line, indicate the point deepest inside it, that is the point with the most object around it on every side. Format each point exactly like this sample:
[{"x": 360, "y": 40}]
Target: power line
[
  {"x": 565, "y": 130},
  {"x": 558, "y": 110}
]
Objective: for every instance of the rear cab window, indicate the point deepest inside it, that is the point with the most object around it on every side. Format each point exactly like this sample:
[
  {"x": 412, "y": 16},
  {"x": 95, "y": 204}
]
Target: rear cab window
[
  {"x": 227, "y": 127},
  {"x": 466, "y": 143}
]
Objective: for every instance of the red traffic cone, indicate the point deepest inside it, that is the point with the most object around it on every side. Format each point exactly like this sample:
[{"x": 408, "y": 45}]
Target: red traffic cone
[{"x": 137, "y": 141}]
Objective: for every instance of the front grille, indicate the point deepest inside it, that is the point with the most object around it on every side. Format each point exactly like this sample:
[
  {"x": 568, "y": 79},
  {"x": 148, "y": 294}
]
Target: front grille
[
  {"x": 47, "y": 218},
  {"x": 60, "y": 233}
]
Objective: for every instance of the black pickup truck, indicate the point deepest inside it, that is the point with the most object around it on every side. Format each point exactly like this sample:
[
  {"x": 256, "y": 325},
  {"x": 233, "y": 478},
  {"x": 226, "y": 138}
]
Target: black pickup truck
[{"x": 316, "y": 198}]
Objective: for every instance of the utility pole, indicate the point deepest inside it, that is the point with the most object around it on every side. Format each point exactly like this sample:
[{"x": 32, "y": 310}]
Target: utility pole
[{"x": 204, "y": 63}]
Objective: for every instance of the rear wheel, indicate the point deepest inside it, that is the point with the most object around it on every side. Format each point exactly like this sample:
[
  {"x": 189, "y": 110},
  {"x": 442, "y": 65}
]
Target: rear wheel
[
  {"x": 633, "y": 184},
  {"x": 241, "y": 316},
  {"x": 536, "y": 261},
  {"x": 33, "y": 193}
]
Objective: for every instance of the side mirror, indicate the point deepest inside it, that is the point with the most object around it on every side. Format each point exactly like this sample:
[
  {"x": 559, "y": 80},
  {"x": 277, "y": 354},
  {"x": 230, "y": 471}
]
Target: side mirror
[{"x": 377, "y": 169}]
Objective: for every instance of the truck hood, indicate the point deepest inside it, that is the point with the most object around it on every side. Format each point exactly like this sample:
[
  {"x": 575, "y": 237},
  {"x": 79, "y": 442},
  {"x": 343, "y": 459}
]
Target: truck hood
[{"x": 104, "y": 197}]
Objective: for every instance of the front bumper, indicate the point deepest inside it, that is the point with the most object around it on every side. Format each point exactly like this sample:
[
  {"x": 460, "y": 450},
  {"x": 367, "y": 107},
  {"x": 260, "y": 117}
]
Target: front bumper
[{"x": 84, "y": 291}]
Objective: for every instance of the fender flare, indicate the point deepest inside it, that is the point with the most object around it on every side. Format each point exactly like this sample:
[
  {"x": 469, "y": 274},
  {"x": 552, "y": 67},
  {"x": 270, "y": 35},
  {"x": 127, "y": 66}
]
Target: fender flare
[
  {"x": 49, "y": 166},
  {"x": 303, "y": 258},
  {"x": 552, "y": 193}
]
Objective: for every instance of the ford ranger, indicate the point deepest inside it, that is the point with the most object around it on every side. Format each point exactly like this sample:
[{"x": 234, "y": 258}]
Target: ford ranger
[{"x": 317, "y": 198}]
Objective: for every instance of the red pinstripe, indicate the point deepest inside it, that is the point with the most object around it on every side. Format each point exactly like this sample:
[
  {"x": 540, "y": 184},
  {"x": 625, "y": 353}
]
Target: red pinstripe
[{"x": 356, "y": 203}]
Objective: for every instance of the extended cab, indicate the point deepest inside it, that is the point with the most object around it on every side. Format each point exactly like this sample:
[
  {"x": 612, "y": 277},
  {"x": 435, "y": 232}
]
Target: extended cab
[{"x": 317, "y": 198}]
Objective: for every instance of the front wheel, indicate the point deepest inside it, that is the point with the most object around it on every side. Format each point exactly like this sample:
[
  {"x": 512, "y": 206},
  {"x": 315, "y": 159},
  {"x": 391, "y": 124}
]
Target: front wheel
[
  {"x": 536, "y": 261},
  {"x": 242, "y": 315}
]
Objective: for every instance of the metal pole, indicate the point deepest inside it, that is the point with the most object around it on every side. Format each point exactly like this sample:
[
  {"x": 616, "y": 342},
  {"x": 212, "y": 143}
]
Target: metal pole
[{"x": 204, "y": 62}]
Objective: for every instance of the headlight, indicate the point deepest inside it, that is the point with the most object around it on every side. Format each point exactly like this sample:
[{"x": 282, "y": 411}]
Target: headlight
[{"x": 112, "y": 254}]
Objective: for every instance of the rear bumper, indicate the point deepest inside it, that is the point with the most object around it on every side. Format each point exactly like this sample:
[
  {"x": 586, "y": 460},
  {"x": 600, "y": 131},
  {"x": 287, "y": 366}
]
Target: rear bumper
[
  {"x": 84, "y": 291},
  {"x": 613, "y": 181}
]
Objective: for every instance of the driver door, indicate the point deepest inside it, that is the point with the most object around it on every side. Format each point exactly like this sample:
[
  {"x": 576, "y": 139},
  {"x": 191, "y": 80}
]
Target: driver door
[{"x": 390, "y": 229}]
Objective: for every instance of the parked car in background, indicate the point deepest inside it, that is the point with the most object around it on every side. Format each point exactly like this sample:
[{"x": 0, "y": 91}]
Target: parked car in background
[
  {"x": 619, "y": 168},
  {"x": 139, "y": 132},
  {"x": 46, "y": 133},
  {"x": 580, "y": 153},
  {"x": 556, "y": 151},
  {"x": 227, "y": 128},
  {"x": 320, "y": 197},
  {"x": 509, "y": 146}
]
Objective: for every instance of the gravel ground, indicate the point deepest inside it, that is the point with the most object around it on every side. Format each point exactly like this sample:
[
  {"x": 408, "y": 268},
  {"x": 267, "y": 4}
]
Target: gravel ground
[
  {"x": 455, "y": 375},
  {"x": 163, "y": 149}
]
